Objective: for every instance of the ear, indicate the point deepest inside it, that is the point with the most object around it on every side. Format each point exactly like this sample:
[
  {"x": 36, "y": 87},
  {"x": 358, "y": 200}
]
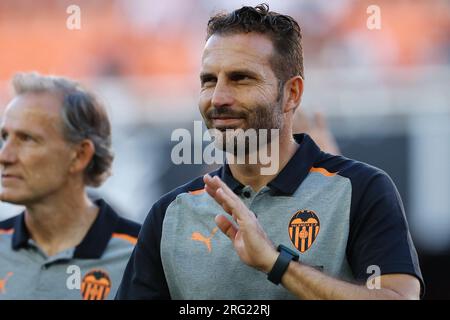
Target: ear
[
  {"x": 84, "y": 152},
  {"x": 293, "y": 91}
]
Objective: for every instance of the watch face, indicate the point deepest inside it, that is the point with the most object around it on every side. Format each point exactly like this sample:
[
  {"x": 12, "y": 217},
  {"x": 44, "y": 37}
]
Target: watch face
[{"x": 294, "y": 254}]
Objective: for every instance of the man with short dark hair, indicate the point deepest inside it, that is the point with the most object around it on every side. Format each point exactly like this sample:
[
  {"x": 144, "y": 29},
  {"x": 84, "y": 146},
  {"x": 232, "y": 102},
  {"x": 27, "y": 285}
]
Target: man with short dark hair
[
  {"x": 321, "y": 225},
  {"x": 56, "y": 141}
]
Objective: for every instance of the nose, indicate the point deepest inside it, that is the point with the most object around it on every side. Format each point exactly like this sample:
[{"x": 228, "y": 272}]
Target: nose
[
  {"x": 7, "y": 153},
  {"x": 223, "y": 94}
]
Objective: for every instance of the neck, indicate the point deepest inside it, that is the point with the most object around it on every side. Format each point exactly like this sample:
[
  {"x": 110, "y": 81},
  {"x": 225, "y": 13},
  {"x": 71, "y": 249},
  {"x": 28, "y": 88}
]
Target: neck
[
  {"x": 61, "y": 222},
  {"x": 251, "y": 174}
]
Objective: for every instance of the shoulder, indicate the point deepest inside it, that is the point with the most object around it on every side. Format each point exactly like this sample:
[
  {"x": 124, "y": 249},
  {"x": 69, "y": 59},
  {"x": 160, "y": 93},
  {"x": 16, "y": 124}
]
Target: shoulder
[
  {"x": 366, "y": 180},
  {"x": 8, "y": 223},
  {"x": 193, "y": 186},
  {"x": 111, "y": 223},
  {"x": 127, "y": 227},
  {"x": 7, "y": 226},
  {"x": 358, "y": 172},
  {"x": 152, "y": 226},
  {"x": 370, "y": 186}
]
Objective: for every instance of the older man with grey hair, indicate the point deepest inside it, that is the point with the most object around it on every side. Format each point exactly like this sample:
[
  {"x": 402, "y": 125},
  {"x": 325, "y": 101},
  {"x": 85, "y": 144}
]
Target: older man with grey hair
[{"x": 56, "y": 142}]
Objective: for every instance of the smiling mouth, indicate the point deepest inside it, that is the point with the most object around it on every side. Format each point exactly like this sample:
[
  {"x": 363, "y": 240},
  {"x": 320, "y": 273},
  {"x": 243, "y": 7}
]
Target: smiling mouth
[
  {"x": 10, "y": 176},
  {"x": 225, "y": 121}
]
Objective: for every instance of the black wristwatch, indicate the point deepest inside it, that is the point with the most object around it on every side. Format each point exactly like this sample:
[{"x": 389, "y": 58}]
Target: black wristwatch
[{"x": 280, "y": 266}]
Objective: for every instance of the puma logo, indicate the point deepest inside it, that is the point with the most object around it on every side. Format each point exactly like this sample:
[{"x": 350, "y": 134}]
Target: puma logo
[
  {"x": 3, "y": 282},
  {"x": 197, "y": 236}
]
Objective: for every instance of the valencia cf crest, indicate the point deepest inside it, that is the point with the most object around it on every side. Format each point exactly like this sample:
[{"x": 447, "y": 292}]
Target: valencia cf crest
[
  {"x": 96, "y": 285},
  {"x": 303, "y": 229}
]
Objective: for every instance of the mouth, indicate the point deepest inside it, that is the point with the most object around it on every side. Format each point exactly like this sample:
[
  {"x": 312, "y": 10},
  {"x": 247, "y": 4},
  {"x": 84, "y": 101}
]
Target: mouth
[
  {"x": 220, "y": 122},
  {"x": 10, "y": 177}
]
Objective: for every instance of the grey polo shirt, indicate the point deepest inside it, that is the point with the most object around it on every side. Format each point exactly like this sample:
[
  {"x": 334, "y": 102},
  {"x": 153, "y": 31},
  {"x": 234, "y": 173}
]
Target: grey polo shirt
[
  {"x": 342, "y": 216},
  {"x": 91, "y": 271}
]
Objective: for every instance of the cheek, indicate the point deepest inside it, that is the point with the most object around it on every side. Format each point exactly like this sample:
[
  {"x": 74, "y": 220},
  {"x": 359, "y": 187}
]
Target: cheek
[
  {"x": 204, "y": 102},
  {"x": 47, "y": 166},
  {"x": 266, "y": 97}
]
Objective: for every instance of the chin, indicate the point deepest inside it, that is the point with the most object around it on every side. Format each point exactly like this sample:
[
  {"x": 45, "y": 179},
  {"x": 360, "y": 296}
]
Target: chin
[{"x": 13, "y": 198}]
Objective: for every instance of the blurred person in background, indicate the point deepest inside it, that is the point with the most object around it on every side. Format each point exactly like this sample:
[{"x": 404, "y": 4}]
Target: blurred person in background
[
  {"x": 56, "y": 141},
  {"x": 322, "y": 226},
  {"x": 317, "y": 128}
]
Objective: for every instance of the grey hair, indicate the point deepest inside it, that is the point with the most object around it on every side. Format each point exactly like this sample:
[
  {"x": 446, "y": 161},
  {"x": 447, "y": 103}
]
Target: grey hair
[{"x": 83, "y": 117}]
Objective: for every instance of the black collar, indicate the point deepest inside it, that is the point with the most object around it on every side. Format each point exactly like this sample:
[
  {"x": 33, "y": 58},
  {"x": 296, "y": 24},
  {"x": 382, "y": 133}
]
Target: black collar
[
  {"x": 292, "y": 175},
  {"x": 93, "y": 244}
]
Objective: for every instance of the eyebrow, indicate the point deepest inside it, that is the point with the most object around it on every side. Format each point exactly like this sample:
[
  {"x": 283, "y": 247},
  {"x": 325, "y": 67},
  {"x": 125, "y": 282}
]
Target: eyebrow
[
  {"x": 238, "y": 72},
  {"x": 206, "y": 75},
  {"x": 243, "y": 72},
  {"x": 21, "y": 132}
]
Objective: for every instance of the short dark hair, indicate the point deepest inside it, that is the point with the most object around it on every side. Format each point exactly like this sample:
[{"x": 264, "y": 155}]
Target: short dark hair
[
  {"x": 83, "y": 117},
  {"x": 282, "y": 30}
]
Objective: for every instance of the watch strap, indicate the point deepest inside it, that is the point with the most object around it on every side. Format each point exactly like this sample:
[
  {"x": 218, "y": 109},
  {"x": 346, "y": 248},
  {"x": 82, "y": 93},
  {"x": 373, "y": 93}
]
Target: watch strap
[{"x": 281, "y": 264}]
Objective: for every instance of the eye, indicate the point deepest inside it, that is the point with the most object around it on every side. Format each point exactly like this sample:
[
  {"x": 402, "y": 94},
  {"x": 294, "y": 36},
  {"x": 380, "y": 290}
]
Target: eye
[
  {"x": 240, "y": 77},
  {"x": 208, "y": 81},
  {"x": 25, "y": 137}
]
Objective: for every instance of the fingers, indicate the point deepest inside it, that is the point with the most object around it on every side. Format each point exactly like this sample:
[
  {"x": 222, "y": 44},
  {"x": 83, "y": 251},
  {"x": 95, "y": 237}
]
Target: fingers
[
  {"x": 301, "y": 122},
  {"x": 320, "y": 121},
  {"x": 226, "y": 226},
  {"x": 230, "y": 205},
  {"x": 212, "y": 184},
  {"x": 224, "y": 196}
]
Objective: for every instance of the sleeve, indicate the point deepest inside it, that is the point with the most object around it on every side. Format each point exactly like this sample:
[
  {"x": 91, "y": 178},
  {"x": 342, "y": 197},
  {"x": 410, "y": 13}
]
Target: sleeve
[
  {"x": 144, "y": 275},
  {"x": 379, "y": 234}
]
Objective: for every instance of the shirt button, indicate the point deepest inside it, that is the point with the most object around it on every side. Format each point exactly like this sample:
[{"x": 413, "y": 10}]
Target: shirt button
[{"x": 247, "y": 194}]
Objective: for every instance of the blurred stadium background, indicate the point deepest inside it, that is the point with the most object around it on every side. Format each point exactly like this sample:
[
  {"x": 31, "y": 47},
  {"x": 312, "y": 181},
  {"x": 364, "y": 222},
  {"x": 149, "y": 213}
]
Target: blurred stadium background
[{"x": 386, "y": 93}]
